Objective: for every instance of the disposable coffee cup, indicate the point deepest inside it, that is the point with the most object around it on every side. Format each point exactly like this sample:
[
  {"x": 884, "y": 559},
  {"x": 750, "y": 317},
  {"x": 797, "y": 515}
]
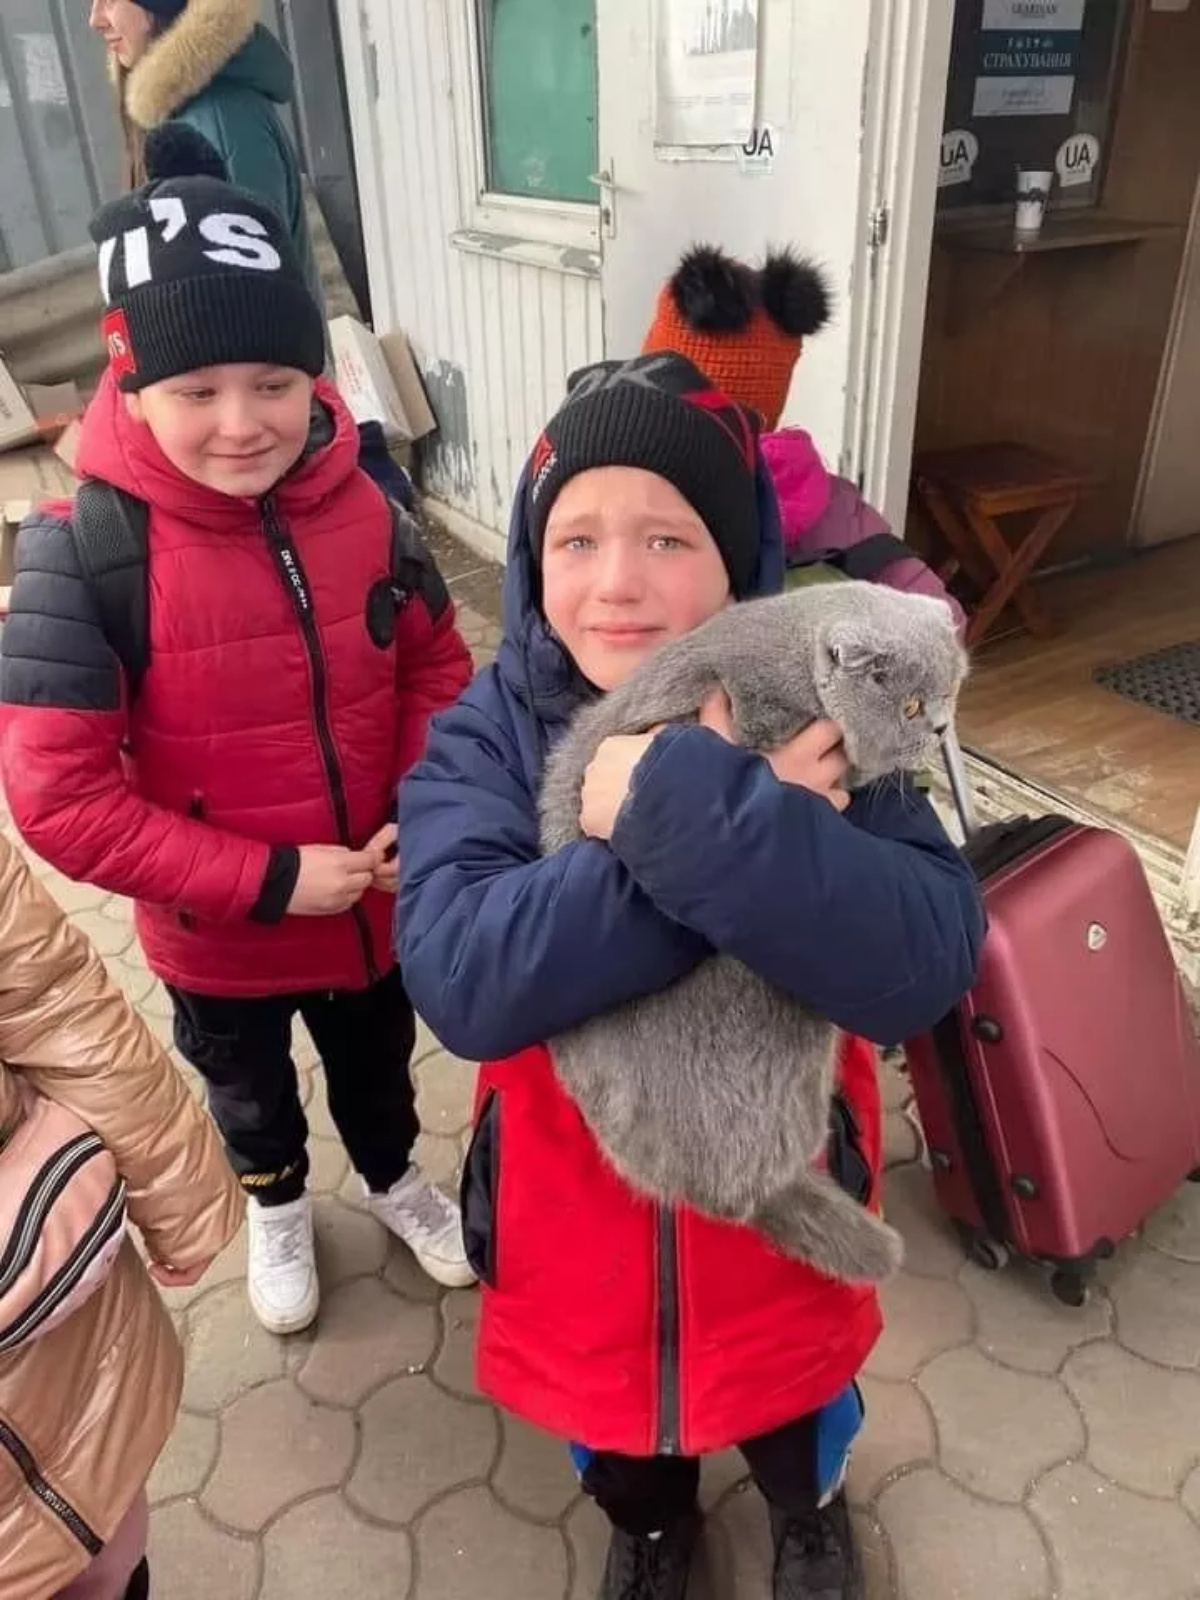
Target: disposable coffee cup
[{"x": 1033, "y": 193}]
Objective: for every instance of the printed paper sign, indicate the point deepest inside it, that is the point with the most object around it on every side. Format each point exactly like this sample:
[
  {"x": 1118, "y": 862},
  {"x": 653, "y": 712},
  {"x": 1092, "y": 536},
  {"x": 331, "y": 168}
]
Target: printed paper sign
[
  {"x": 960, "y": 152},
  {"x": 1077, "y": 160},
  {"x": 760, "y": 149},
  {"x": 1024, "y": 16},
  {"x": 1023, "y": 97}
]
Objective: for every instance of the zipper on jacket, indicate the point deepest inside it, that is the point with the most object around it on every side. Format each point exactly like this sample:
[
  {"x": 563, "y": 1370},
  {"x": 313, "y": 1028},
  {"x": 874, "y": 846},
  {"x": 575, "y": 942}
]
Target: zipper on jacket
[
  {"x": 66, "y": 1513},
  {"x": 668, "y": 1334},
  {"x": 287, "y": 559}
]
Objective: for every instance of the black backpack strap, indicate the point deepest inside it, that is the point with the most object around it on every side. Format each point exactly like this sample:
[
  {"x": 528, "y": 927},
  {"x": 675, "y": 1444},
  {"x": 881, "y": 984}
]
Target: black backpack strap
[
  {"x": 414, "y": 571},
  {"x": 110, "y": 529},
  {"x": 871, "y": 556}
]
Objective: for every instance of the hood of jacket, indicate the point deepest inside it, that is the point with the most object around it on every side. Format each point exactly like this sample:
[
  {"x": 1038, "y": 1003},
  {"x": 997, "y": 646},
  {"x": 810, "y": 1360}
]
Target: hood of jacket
[
  {"x": 532, "y": 661},
  {"x": 211, "y": 42},
  {"x": 124, "y": 452}
]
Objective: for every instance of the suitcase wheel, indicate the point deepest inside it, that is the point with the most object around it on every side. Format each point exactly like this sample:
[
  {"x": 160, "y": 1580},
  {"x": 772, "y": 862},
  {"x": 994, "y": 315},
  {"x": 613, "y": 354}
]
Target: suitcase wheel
[
  {"x": 1194, "y": 1177},
  {"x": 983, "y": 1250},
  {"x": 1069, "y": 1286}
]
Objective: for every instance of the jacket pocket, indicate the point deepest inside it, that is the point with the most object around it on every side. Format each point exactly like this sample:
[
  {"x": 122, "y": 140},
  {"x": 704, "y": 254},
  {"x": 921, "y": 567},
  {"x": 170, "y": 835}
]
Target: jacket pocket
[
  {"x": 848, "y": 1165},
  {"x": 479, "y": 1191}
]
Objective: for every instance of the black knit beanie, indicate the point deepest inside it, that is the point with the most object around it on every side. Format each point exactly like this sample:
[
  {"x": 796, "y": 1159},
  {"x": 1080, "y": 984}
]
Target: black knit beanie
[
  {"x": 660, "y": 413},
  {"x": 197, "y": 273},
  {"x": 168, "y": 10}
]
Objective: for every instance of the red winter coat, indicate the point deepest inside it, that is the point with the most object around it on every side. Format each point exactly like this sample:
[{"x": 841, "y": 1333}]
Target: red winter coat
[
  {"x": 267, "y": 718},
  {"x": 627, "y": 1327}
]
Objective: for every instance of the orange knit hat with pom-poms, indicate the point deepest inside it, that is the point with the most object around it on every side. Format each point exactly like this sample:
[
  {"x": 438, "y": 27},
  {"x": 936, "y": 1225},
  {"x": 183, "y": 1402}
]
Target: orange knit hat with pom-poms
[{"x": 743, "y": 326}]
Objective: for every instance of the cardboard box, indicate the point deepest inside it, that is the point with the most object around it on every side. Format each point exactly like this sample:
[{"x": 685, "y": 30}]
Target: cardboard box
[
  {"x": 403, "y": 368},
  {"x": 17, "y": 422},
  {"x": 365, "y": 380}
]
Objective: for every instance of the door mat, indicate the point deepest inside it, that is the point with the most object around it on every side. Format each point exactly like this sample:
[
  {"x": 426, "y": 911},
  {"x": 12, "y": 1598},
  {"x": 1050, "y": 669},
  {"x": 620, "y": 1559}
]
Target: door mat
[{"x": 1167, "y": 681}]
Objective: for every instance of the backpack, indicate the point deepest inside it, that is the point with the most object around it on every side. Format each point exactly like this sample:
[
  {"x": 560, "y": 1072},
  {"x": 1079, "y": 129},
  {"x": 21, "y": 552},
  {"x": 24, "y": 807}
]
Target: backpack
[{"x": 110, "y": 531}]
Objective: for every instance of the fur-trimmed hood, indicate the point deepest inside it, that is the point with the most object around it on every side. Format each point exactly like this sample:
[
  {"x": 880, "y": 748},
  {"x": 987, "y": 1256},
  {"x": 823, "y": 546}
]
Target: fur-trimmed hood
[{"x": 211, "y": 38}]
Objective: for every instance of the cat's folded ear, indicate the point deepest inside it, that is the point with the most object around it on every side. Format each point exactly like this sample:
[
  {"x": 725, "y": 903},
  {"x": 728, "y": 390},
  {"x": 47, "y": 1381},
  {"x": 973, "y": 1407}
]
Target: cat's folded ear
[{"x": 850, "y": 652}]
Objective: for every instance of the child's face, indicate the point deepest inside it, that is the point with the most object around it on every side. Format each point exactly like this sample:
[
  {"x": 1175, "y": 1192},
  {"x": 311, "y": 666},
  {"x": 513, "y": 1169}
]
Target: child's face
[
  {"x": 236, "y": 429},
  {"x": 626, "y": 565},
  {"x": 126, "y": 28}
]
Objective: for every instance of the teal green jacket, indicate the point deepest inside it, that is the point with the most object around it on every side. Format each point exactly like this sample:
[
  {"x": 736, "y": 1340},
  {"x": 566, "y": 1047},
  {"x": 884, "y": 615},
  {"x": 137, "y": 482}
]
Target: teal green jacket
[{"x": 239, "y": 112}]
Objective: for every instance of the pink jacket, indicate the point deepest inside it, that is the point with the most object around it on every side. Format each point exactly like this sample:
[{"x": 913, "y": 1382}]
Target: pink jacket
[{"x": 825, "y": 516}]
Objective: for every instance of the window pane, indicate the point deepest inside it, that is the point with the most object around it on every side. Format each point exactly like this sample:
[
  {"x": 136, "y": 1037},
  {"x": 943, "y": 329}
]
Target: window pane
[{"x": 539, "y": 74}]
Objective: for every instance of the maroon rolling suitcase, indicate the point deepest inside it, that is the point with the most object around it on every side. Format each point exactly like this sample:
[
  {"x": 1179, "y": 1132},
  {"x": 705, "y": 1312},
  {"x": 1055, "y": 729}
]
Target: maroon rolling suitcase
[{"x": 1061, "y": 1099}]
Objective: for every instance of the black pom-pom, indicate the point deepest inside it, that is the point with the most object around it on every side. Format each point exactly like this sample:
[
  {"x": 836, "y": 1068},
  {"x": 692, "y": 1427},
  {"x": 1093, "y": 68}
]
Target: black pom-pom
[
  {"x": 713, "y": 292},
  {"x": 176, "y": 150},
  {"x": 795, "y": 294}
]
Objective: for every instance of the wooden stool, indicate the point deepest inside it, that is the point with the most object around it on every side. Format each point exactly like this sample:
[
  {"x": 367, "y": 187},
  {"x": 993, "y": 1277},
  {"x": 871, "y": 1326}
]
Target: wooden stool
[{"x": 965, "y": 491}]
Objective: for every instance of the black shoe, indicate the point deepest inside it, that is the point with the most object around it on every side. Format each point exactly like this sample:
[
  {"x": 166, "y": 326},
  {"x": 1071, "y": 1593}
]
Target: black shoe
[
  {"x": 816, "y": 1557},
  {"x": 642, "y": 1568},
  {"x": 139, "y": 1584}
]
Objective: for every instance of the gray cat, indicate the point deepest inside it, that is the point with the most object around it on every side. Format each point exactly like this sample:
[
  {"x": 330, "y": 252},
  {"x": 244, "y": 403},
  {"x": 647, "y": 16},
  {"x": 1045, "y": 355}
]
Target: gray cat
[{"x": 716, "y": 1091}]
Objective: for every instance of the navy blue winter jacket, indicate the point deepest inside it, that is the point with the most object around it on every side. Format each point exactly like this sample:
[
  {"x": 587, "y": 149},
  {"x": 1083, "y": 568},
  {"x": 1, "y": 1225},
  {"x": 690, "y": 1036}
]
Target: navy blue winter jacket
[{"x": 871, "y": 917}]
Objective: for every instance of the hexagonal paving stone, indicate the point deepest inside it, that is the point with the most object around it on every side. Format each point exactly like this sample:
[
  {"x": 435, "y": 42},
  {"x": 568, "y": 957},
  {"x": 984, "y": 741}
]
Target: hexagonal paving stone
[
  {"x": 192, "y": 1560},
  {"x": 328, "y": 1166},
  {"x": 900, "y": 1143},
  {"x": 1137, "y": 1418},
  {"x": 468, "y": 1545},
  {"x": 187, "y": 1460},
  {"x": 722, "y": 1474},
  {"x": 1157, "y": 1302},
  {"x": 322, "y": 1549},
  {"x": 445, "y": 1093},
  {"x": 403, "y": 1276},
  {"x": 736, "y": 1554},
  {"x": 875, "y": 1554},
  {"x": 316, "y": 1107},
  {"x": 898, "y": 1432},
  {"x": 931, "y": 1247},
  {"x": 922, "y": 1318},
  {"x": 366, "y": 1334},
  {"x": 350, "y": 1244},
  {"x": 438, "y": 1158},
  {"x": 998, "y": 1429},
  {"x": 1023, "y": 1325},
  {"x": 534, "y": 1476},
  {"x": 294, "y": 1445},
  {"x": 1109, "y": 1542},
  {"x": 416, "y": 1443},
  {"x": 227, "y": 1351},
  {"x": 587, "y": 1533},
  {"x": 1175, "y": 1230},
  {"x": 949, "y": 1546},
  {"x": 72, "y": 897},
  {"x": 454, "y": 1367},
  {"x": 229, "y": 1267},
  {"x": 110, "y": 938}
]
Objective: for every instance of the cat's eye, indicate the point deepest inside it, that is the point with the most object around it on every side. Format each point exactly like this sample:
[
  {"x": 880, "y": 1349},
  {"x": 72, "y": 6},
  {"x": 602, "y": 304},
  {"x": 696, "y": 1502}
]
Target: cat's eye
[{"x": 913, "y": 709}]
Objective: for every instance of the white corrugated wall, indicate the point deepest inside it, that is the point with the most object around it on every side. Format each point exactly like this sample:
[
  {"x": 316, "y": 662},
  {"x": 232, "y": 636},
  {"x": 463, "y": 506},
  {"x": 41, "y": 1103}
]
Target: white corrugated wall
[{"x": 495, "y": 338}]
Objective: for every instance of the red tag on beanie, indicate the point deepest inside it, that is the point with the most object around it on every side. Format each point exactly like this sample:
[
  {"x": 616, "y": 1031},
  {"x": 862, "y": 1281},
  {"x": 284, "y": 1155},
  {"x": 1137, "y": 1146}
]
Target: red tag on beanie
[{"x": 114, "y": 330}]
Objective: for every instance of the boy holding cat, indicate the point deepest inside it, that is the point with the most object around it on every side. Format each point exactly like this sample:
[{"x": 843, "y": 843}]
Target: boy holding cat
[{"x": 653, "y": 1335}]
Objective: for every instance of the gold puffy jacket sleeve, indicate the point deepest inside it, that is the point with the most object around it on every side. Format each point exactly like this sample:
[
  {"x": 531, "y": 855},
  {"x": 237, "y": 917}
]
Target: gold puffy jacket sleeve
[{"x": 70, "y": 1032}]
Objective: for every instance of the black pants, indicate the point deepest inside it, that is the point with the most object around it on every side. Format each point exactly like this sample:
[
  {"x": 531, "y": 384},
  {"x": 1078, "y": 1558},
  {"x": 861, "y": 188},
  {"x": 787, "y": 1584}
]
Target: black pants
[
  {"x": 645, "y": 1494},
  {"x": 243, "y": 1051}
]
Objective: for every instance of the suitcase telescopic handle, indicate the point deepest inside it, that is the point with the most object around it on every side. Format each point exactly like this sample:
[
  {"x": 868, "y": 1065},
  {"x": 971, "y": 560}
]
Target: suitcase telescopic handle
[{"x": 960, "y": 784}]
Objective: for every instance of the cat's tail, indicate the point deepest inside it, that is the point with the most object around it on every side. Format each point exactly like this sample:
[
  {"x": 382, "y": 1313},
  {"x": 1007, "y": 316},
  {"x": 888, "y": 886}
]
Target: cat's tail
[{"x": 820, "y": 1223}]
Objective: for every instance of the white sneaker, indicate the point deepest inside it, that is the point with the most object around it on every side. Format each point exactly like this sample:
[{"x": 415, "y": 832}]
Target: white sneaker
[
  {"x": 417, "y": 1212},
  {"x": 282, "y": 1278}
]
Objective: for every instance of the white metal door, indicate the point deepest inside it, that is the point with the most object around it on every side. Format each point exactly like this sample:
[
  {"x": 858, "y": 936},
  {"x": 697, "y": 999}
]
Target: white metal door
[{"x": 812, "y": 61}]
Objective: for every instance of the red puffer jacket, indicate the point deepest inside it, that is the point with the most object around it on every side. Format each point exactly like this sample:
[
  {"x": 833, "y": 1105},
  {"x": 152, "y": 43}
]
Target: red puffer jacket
[
  {"x": 628, "y": 1327},
  {"x": 268, "y": 716}
]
